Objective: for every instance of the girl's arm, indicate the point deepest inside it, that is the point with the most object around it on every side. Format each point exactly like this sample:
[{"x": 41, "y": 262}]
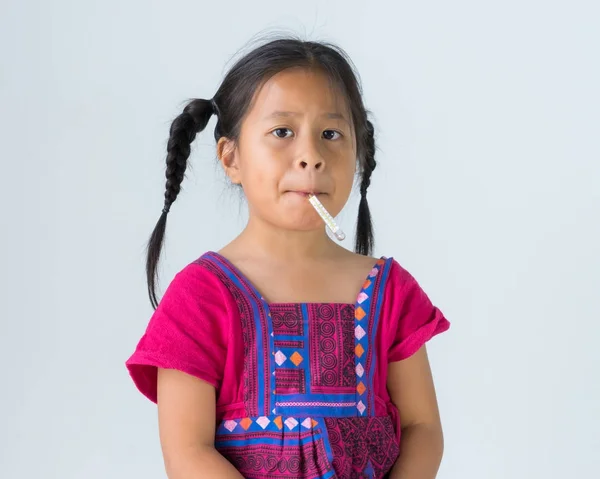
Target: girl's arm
[
  {"x": 411, "y": 388},
  {"x": 186, "y": 418}
]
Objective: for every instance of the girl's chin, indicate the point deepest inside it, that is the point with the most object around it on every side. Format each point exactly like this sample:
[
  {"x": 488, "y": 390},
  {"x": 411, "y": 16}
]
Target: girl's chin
[{"x": 300, "y": 223}]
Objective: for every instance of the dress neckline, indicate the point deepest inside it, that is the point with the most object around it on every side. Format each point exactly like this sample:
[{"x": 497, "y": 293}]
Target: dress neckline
[{"x": 276, "y": 304}]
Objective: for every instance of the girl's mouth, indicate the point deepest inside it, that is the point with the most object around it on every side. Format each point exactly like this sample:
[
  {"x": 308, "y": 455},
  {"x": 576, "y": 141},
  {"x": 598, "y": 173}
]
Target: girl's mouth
[{"x": 307, "y": 193}]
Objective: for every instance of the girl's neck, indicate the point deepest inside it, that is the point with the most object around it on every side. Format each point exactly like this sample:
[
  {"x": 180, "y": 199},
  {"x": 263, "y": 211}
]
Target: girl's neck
[{"x": 261, "y": 239}]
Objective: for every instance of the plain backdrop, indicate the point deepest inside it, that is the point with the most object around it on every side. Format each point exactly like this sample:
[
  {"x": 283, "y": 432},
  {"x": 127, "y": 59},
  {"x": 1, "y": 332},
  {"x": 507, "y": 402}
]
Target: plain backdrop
[{"x": 487, "y": 190}]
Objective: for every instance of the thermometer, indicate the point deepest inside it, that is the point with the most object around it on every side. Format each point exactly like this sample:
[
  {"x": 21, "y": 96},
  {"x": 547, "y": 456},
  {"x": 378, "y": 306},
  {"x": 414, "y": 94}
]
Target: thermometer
[{"x": 327, "y": 218}]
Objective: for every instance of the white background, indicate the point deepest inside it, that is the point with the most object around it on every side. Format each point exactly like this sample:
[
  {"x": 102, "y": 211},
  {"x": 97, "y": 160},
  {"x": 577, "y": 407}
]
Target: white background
[{"x": 487, "y": 190}]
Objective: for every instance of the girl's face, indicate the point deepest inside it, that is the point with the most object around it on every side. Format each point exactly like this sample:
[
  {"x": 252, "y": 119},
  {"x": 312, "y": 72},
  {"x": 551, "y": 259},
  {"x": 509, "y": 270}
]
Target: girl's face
[{"x": 297, "y": 138}]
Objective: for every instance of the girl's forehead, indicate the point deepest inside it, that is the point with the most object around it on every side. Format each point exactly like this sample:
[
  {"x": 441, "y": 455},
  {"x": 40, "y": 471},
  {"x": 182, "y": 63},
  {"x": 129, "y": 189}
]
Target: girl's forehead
[{"x": 299, "y": 90}]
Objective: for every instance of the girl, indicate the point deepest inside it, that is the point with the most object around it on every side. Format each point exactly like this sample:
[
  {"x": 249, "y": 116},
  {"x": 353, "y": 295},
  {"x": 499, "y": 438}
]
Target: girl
[{"x": 284, "y": 355}]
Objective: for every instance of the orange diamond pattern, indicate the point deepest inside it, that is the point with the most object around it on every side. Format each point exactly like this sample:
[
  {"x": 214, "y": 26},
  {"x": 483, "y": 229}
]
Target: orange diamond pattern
[
  {"x": 361, "y": 388},
  {"x": 296, "y": 358},
  {"x": 359, "y": 350},
  {"x": 246, "y": 423},
  {"x": 360, "y": 313},
  {"x": 278, "y": 422}
]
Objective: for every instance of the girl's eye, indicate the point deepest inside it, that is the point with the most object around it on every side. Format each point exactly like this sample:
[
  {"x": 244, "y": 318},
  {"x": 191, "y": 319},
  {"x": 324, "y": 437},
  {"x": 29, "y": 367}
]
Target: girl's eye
[
  {"x": 327, "y": 134},
  {"x": 278, "y": 132},
  {"x": 330, "y": 134}
]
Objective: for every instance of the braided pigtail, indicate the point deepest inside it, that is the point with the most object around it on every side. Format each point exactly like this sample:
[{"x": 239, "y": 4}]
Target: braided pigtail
[
  {"x": 364, "y": 225},
  {"x": 184, "y": 128}
]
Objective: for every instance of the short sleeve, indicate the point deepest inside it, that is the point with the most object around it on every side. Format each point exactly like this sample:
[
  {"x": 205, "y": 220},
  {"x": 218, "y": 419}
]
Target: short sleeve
[
  {"x": 188, "y": 331},
  {"x": 416, "y": 320}
]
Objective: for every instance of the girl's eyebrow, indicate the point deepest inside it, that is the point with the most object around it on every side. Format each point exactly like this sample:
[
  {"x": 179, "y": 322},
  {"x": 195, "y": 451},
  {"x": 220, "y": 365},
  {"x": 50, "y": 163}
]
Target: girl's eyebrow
[{"x": 287, "y": 114}]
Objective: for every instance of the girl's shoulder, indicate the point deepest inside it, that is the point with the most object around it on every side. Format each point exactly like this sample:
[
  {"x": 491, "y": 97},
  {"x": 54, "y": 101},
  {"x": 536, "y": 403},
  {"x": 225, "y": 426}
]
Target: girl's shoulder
[
  {"x": 402, "y": 281},
  {"x": 198, "y": 281},
  {"x": 195, "y": 273},
  {"x": 205, "y": 268},
  {"x": 394, "y": 269}
]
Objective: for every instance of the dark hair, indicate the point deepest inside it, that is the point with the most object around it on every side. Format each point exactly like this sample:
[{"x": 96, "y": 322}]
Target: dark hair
[{"x": 230, "y": 105}]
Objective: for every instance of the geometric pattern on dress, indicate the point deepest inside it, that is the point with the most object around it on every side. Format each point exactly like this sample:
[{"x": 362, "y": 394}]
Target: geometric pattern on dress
[{"x": 308, "y": 385}]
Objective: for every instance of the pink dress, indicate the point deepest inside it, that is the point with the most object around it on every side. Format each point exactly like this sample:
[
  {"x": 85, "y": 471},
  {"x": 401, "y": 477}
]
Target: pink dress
[{"x": 301, "y": 387}]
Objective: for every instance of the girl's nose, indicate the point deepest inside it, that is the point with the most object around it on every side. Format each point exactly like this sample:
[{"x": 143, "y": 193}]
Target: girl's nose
[
  {"x": 316, "y": 163},
  {"x": 309, "y": 154}
]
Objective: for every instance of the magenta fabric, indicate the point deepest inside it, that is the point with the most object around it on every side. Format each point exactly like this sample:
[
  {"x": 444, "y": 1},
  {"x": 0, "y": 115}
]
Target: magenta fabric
[
  {"x": 301, "y": 387},
  {"x": 196, "y": 329}
]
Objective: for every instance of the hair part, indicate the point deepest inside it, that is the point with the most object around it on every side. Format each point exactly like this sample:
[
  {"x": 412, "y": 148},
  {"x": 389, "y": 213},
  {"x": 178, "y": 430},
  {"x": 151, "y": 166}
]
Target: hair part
[{"x": 231, "y": 103}]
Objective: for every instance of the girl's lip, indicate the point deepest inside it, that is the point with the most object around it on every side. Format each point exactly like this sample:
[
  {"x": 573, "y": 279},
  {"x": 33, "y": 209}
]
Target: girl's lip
[{"x": 307, "y": 193}]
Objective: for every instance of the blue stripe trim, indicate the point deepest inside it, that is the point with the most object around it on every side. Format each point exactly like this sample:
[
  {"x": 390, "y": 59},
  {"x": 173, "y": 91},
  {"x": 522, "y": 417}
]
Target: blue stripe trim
[
  {"x": 366, "y": 342},
  {"x": 384, "y": 272},
  {"x": 318, "y": 412},
  {"x": 239, "y": 280},
  {"x": 317, "y": 397},
  {"x": 306, "y": 339},
  {"x": 269, "y": 441}
]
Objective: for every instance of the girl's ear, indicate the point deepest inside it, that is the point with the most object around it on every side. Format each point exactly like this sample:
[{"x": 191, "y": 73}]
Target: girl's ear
[{"x": 228, "y": 157}]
